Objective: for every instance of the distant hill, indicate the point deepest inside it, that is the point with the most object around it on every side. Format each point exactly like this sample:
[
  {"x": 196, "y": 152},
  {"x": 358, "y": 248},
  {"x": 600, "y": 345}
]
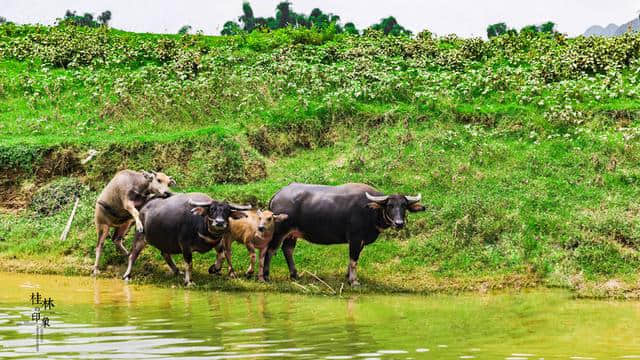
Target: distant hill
[
  {"x": 612, "y": 29},
  {"x": 597, "y": 30},
  {"x": 635, "y": 25}
]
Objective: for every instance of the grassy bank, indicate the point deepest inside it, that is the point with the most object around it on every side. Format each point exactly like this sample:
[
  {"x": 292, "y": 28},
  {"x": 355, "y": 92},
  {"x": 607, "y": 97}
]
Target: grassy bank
[{"x": 525, "y": 148}]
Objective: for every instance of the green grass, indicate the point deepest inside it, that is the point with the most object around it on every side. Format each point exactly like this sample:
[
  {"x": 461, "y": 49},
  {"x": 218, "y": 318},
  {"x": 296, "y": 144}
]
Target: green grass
[{"x": 525, "y": 180}]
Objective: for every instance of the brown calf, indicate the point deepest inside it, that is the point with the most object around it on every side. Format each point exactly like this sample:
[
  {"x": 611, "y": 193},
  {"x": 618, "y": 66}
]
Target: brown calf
[
  {"x": 255, "y": 232},
  {"x": 118, "y": 204}
]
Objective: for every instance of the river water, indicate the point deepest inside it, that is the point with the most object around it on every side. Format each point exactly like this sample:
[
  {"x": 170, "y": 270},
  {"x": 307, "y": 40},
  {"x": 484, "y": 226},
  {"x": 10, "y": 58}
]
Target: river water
[{"x": 108, "y": 319}]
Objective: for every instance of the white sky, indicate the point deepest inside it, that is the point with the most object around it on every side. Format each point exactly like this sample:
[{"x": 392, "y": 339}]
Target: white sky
[{"x": 463, "y": 17}]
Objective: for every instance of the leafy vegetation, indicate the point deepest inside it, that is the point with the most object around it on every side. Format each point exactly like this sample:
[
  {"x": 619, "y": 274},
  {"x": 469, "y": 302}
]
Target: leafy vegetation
[{"x": 525, "y": 147}]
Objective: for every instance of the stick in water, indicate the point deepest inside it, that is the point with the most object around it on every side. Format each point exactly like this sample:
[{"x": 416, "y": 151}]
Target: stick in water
[
  {"x": 317, "y": 278},
  {"x": 63, "y": 237}
]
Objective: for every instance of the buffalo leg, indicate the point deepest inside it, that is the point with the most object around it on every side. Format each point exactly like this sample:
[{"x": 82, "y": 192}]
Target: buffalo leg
[
  {"x": 138, "y": 244},
  {"x": 354, "y": 253},
  {"x": 278, "y": 237},
  {"x": 215, "y": 268},
  {"x": 227, "y": 254},
  {"x": 118, "y": 235},
  {"x": 103, "y": 232},
  {"x": 252, "y": 258},
  {"x": 288, "y": 245},
  {"x": 266, "y": 262},
  {"x": 172, "y": 265},
  {"x": 131, "y": 208},
  {"x": 188, "y": 259},
  {"x": 263, "y": 253}
]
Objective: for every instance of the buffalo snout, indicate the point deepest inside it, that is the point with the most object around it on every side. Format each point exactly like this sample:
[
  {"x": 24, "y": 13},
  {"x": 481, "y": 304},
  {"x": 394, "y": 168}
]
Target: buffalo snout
[{"x": 398, "y": 224}]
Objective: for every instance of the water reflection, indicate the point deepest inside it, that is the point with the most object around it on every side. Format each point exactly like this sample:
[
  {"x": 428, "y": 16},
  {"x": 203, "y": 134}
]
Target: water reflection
[{"x": 96, "y": 318}]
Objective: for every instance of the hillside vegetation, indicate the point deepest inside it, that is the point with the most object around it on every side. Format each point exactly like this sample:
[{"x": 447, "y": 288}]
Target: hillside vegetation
[{"x": 525, "y": 148}]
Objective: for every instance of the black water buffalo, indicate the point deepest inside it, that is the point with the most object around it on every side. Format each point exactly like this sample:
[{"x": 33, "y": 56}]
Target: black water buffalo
[
  {"x": 352, "y": 213},
  {"x": 182, "y": 224}
]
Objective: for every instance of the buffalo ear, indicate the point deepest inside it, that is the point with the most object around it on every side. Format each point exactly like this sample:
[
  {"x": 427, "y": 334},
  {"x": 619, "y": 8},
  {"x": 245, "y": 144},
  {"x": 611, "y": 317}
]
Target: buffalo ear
[
  {"x": 199, "y": 211},
  {"x": 238, "y": 215},
  {"x": 416, "y": 207},
  {"x": 148, "y": 175},
  {"x": 280, "y": 217},
  {"x": 374, "y": 205}
]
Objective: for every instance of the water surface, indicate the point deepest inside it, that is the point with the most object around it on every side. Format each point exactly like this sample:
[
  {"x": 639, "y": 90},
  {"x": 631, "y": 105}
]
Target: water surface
[{"x": 108, "y": 319}]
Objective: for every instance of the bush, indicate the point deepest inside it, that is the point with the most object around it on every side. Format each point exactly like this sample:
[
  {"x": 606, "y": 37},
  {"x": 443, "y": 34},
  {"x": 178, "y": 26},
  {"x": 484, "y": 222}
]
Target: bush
[{"x": 56, "y": 195}]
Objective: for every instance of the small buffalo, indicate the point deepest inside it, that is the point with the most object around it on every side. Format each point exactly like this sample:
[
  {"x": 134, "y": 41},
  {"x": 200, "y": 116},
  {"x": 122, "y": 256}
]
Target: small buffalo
[
  {"x": 255, "y": 232},
  {"x": 182, "y": 224},
  {"x": 118, "y": 204},
  {"x": 352, "y": 213}
]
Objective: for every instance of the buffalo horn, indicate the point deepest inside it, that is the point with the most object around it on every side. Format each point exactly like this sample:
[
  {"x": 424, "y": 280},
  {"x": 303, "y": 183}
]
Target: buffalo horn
[
  {"x": 239, "y": 207},
  {"x": 377, "y": 199},
  {"x": 200, "y": 203},
  {"x": 413, "y": 199}
]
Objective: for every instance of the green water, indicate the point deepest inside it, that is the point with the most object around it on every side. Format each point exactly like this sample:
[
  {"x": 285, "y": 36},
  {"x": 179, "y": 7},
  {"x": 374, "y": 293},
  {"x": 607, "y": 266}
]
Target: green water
[{"x": 108, "y": 319}]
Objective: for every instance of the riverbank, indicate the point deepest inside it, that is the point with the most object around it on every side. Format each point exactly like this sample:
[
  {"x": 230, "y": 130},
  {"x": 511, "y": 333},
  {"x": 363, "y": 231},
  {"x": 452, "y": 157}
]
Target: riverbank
[
  {"x": 321, "y": 283},
  {"x": 329, "y": 283}
]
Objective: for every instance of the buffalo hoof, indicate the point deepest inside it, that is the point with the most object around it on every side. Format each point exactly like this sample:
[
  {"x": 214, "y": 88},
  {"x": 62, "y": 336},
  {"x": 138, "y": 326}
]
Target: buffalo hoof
[
  {"x": 354, "y": 283},
  {"x": 263, "y": 280},
  {"x": 177, "y": 273},
  {"x": 248, "y": 274},
  {"x": 95, "y": 272},
  {"x": 232, "y": 275},
  {"x": 294, "y": 276},
  {"x": 213, "y": 270},
  {"x": 189, "y": 284}
]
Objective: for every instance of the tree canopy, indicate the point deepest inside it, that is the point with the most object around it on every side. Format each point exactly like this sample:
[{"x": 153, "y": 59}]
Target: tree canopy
[
  {"x": 390, "y": 26},
  {"x": 496, "y": 29},
  {"x": 87, "y": 19},
  {"x": 105, "y": 17},
  {"x": 285, "y": 16},
  {"x": 184, "y": 29}
]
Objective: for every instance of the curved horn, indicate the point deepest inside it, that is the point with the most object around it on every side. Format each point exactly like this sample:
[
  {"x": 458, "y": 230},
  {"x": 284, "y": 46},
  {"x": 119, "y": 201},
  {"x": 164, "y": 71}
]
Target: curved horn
[
  {"x": 413, "y": 199},
  {"x": 200, "y": 203},
  {"x": 240, "y": 207},
  {"x": 376, "y": 198}
]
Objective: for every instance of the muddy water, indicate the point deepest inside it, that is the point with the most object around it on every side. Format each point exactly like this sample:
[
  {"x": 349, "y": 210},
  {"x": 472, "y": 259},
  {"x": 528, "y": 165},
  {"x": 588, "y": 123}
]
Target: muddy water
[{"x": 107, "y": 319}]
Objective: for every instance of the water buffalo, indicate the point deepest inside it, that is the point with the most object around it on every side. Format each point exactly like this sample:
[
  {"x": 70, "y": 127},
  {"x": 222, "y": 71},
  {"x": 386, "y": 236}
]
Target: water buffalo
[
  {"x": 352, "y": 213},
  {"x": 254, "y": 232},
  {"x": 118, "y": 204},
  {"x": 182, "y": 224}
]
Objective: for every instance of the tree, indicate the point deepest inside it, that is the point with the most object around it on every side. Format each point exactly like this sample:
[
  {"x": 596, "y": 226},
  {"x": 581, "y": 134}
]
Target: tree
[
  {"x": 529, "y": 29},
  {"x": 231, "y": 28},
  {"x": 350, "y": 28},
  {"x": 283, "y": 12},
  {"x": 548, "y": 27},
  {"x": 105, "y": 17},
  {"x": 84, "y": 20},
  {"x": 496, "y": 29},
  {"x": 247, "y": 18},
  {"x": 184, "y": 30},
  {"x": 390, "y": 26}
]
